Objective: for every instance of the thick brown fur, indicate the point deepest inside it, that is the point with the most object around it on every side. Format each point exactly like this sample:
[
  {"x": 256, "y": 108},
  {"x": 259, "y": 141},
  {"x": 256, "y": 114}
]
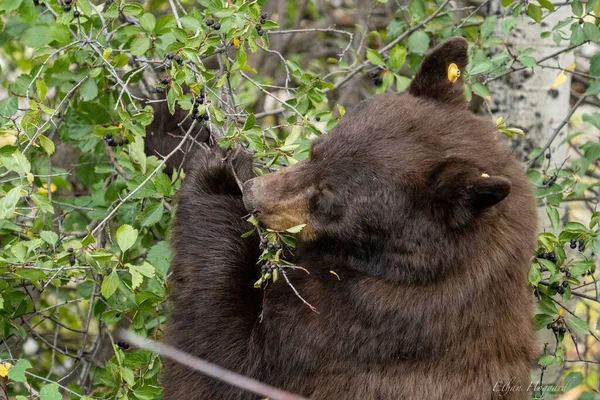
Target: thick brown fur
[{"x": 428, "y": 222}]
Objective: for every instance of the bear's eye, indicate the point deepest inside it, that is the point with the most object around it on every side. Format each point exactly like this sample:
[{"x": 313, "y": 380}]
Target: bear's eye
[{"x": 324, "y": 203}]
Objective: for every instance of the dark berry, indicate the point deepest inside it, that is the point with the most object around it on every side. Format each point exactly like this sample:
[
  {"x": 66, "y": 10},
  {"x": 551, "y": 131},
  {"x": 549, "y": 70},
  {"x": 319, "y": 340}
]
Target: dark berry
[
  {"x": 111, "y": 142},
  {"x": 36, "y": 2},
  {"x": 217, "y": 26},
  {"x": 562, "y": 330},
  {"x": 164, "y": 81},
  {"x": 554, "y": 328},
  {"x": 270, "y": 246},
  {"x": 568, "y": 274},
  {"x": 67, "y": 8},
  {"x": 199, "y": 99},
  {"x": 159, "y": 89},
  {"x": 277, "y": 246},
  {"x": 573, "y": 244},
  {"x": 68, "y": 2},
  {"x": 378, "y": 81},
  {"x": 76, "y": 14},
  {"x": 318, "y": 119},
  {"x": 551, "y": 257},
  {"x": 581, "y": 242},
  {"x": 169, "y": 56},
  {"x": 549, "y": 326},
  {"x": 206, "y": 116},
  {"x": 560, "y": 290},
  {"x": 260, "y": 32},
  {"x": 108, "y": 136},
  {"x": 178, "y": 60},
  {"x": 70, "y": 250},
  {"x": 545, "y": 182},
  {"x": 263, "y": 16},
  {"x": 134, "y": 122},
  {"x": 72, "y": 259},
  {"x": 109, "y": 270},
  {"x": 548, "y": 155},
  {"x": 563, "y": 269},
  {"x": 203, "y": 92},
  {"x": 565, "y": 284},
  {"x": 258, "y": 27},
  {"x": 123, "y": 345},
  {"x": 195, "y": 110},
  {"x": 209, "y": 22}
]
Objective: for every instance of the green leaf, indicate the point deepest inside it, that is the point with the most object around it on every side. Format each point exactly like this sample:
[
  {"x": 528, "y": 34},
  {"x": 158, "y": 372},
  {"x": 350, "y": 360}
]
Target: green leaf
[
  {"x": 89, "y": 89},
  {"x": 47, "y": 144},
  {"x": 148, "y": 22},
  {"x": 593, "y": 90},
  {"x": 577, "y": 34},
  {"x": 8, "y": 107},
  {"x": 534, "y": 274},
  {"x": 534, "y": 12},
  {"x": 17, "y": 372},
  {"x": 43, "y": 202},
  {"x": 418, "y": 42},
  {"x": 37, "y": 36},
  {"x": 577, "y": 8},
  {"x": 553, "y": 216},
  {"x": 397, "y": 57},
  {"x": 591, "y": 31},
  {"x": 296, "y": 229},
  {"x": 140, "y": 45},
  {"x": 480, "y": 89},
  {"x": 546, "y": 360},
  {"x": 49, "y": 237},
  {"x": 577, "y": 324},
  {"x": 50, "y": 392},
  {"x": 126, "y": 237},
  {"x": 547, "y": 4},
  {"x": 138, "y": 272},
  {"x": 110, "y": 283},
  {"x": 152, "y": 214},
  {"x": 595, "y": 65},
  {"x": 374, "y": 57},
  {"x": 9, "y": 202}
]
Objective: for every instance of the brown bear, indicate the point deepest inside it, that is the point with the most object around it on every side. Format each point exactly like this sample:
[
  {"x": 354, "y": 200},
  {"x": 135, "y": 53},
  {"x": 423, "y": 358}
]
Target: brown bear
[{"x": 428, "y": 223}]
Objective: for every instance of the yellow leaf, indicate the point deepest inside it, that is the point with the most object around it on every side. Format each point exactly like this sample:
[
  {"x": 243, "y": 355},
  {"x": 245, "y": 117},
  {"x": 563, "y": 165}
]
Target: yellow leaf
[
  {"x": 560, "y": 79},
  {"x": 336, "y": 275},
  {"x": 236, "y": 41},
  {"x": 4, "y": 367},
  {"x": 30, "y": 178},
  {"x": 6, "y": 139},
  {"x": 44, "y": 188},
  {"x": 571, "y": 67},
  {"x": 561, "y": 311}
]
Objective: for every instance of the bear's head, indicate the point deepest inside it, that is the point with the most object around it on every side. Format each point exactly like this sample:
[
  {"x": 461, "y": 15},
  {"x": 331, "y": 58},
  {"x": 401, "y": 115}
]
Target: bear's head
[{"x": 404, "y": 184}]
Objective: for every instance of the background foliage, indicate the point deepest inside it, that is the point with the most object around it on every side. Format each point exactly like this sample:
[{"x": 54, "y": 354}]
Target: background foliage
[{"x": 85, "y": 213}]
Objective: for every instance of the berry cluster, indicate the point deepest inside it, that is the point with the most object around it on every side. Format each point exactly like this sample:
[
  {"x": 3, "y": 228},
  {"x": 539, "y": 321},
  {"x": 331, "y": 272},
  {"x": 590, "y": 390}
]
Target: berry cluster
[
  {"x": 264, "y": 244},
  {"x": 267, "y": 269},
  {"x": 71, "y": 256},
  {"x": 67, "y": 6},
  {"x": 176, "y": 57},
  {"x": 211, "y": 22},
  {"x": 196, "y": 102},
  {"x": 550, "y": 256},
  {"x": 557, "y": 327},
  {"x": 376, "y": 75},
  {"x": 110, "y": 140},
  {"x": 580, "y": 244},
  {"x": 263, "y": 19}
]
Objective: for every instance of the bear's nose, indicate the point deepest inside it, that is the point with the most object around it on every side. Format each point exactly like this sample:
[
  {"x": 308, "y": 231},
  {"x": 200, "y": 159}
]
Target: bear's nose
[{"x": 249, "y": 197}]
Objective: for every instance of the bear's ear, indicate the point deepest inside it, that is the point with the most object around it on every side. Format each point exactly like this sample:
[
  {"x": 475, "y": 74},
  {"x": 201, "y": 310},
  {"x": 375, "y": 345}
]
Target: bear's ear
[
  {"x": 440, "y": 76},
  {"x": 461, "y": 191}
]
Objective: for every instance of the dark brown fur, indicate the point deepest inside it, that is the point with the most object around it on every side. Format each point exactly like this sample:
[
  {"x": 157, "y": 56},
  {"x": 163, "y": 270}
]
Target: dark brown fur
[{"x": 432, "y": 301}]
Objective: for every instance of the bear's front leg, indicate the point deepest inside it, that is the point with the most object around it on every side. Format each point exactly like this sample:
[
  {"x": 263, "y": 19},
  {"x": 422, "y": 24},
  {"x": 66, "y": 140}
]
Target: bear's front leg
[{"x": 213, "y": 302}]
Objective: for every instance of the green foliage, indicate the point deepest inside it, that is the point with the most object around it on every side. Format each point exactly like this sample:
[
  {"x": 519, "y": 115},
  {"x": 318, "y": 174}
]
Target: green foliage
[{"x": 84, "y": 226}]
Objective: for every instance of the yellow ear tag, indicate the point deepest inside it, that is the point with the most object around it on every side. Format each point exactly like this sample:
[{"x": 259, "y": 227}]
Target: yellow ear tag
[{"x": 453, "y": 72}]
